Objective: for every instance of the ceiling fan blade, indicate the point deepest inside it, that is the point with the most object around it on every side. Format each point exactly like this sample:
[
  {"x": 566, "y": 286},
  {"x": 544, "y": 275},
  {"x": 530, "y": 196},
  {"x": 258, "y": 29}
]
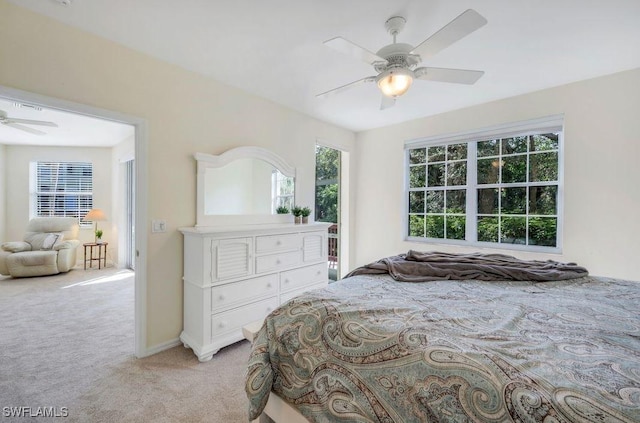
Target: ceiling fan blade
[
  {"x": 387, "y": 102},
  {"x": 467, "y": 22},
  {"x": 346, "y": 87},
  {"x": 353, "y": 50},
  {"x": 24, "y": 128},
  {"x": 456, "y": 76},
  {"x": 31, "y": 122}
]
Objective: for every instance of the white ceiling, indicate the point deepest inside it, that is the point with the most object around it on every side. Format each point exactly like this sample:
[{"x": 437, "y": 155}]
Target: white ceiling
[
  {"x": 73, "y": 129},
  {"x": 274, "y": 49}
]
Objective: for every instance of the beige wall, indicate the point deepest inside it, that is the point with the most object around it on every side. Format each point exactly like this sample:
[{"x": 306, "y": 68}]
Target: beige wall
[
  {"x": 602, "y": 172},
  {"x": 17, "y": 187},
  {"x": 185, "y": 113}
]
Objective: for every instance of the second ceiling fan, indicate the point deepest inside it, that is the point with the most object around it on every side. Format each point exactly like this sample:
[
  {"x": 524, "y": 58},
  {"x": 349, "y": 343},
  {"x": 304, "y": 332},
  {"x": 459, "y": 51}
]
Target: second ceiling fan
[{"x": 396, "y": 63}]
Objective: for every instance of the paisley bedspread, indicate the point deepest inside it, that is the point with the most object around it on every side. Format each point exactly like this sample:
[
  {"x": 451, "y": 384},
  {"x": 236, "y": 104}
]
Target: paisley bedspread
[{"x": 371, "y": 349}]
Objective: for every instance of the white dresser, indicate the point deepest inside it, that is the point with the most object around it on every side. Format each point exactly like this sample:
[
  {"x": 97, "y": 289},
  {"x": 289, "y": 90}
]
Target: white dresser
[{"x": 237, "y": 275}]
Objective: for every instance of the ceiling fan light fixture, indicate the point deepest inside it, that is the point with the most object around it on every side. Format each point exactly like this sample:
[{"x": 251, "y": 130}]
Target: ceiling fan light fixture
[{"x": 395, "y": 82}]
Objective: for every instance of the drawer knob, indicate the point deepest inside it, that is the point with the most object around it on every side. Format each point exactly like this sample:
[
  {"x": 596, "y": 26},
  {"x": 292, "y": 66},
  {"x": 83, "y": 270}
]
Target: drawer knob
[
  {"x": 278, "y": 242},
  {"x": 221, "y": 325},
  {"x": 286, "y": 281},
  {"x": 269, "y": 309},
  {"x": 318, "y": 272},
  {"x": 278, "y": 261},
  {"x": 221, "y": 297},
  {"x": 269, "y": 285}
]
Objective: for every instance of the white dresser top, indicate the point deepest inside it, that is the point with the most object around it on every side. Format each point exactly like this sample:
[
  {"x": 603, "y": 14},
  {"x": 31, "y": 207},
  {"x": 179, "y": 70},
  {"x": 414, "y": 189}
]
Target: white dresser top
[{"x": 258, "y": 229}]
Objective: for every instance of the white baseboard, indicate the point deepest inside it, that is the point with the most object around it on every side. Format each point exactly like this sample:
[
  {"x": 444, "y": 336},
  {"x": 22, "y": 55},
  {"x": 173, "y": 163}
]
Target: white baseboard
[{"x": 160, "y": 347}]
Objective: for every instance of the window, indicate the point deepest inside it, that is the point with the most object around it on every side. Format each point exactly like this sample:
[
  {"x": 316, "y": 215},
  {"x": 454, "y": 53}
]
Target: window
[
  {"x": 500, "y": 187},
  {"x": 63, "y": 189}
]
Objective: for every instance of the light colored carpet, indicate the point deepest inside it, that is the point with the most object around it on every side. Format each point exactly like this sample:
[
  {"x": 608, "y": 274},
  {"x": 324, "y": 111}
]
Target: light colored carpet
[{"x": 67, "y": 341}]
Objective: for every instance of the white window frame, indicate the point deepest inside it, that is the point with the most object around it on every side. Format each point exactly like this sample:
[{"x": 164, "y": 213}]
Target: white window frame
[
  {"x": 78, "y": 213},
  {"x": 548, "y": 124}
]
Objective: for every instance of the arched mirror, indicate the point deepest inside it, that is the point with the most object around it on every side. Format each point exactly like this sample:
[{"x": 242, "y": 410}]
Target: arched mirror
[{"x": 243, "y": 185}]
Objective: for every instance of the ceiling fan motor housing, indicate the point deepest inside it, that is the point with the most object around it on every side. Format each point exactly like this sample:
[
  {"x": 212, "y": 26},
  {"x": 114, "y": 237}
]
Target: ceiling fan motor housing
[{"x": 398, "y": 54}]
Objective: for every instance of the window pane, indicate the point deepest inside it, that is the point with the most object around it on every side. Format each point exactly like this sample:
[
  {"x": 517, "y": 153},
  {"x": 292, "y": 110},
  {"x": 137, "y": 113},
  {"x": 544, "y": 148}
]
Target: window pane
[
  {"x": 418, "y": 155},
  {"x": 488, "y": 171},
  {"x": 488, "y": 201},
  {"x": 435, "y": 201},
  {"x": 514, "y": 145},
  {"x": 543, "y": 167},
  {"x": 488, "y": 229},
  {"x": 416, "y": 225},
  {"x": 416, "y": 202},
  {"x": 435, "y": 226},
  {"x": 514, "y": 200},
  {"x": 436, "y": 175},
  {"x": 543, "y": 231},
  {"x": 457, "y": 151},
  {"x": 543, "y": 142},
  {"x": 417, "y": 176},
  {"x": 456, "y": 201},
  {"x": 488, "y": 148},
  {"x": 457, "y": 173},
  {"x": 513, "y": 230},
  {"x": 514, "y": 169},
  {"x": 436, "y": 154},
  {"x": 543, "y": 200},
  {"x": 455, "y": 227}
]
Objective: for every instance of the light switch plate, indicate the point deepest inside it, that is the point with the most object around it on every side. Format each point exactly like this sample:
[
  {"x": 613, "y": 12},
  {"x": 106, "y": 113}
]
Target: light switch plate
[{"x": 158, "y": 225}]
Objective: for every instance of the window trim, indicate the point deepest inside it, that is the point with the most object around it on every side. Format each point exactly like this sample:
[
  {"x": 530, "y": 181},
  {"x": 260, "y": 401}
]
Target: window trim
[{"x": 553, "y": 123}]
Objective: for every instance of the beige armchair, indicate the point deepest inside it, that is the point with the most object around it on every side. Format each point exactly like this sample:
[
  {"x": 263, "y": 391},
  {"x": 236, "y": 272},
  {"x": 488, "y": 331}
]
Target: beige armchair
[{"x": 49, "y": 247}]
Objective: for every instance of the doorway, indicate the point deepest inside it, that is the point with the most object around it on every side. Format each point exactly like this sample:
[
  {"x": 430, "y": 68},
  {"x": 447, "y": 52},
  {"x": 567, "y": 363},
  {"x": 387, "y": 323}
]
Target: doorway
[
  {"x": 327, "y": 202},
  {"x": 139, "y": 198},
  {"x": 129, "y": 236}
]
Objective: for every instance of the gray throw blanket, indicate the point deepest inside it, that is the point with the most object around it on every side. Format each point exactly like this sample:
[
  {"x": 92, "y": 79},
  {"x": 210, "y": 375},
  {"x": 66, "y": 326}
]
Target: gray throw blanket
[{"x": 416, "y": 266}]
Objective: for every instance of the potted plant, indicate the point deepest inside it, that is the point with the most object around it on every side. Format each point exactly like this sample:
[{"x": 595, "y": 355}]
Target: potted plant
[
  {"x": 282, "y": 210},
  {"x": 99, "y": 236},
  {"x": 306, "y": 211},
  {"x": 297, "y": 213}
]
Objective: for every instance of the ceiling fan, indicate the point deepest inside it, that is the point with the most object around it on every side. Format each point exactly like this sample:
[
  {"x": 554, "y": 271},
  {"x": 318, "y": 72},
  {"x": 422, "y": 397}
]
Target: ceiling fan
[
  {"x": 20, "y": 123},
  {"x": 396, "y": 63}
]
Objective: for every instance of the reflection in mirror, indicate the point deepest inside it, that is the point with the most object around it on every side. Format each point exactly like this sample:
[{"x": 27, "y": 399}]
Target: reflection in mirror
[
  {"x": 246, "y": 186},
  {"x": 283, "y": 191}
]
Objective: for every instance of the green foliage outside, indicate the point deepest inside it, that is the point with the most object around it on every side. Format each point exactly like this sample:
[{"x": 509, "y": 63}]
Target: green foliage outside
[
  {"x": 327, "y": 174},
  {"x": 507, "y": 214}
]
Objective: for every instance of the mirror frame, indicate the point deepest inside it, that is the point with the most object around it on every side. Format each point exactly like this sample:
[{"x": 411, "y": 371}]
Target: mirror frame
[{"x": 206, "y": 161}]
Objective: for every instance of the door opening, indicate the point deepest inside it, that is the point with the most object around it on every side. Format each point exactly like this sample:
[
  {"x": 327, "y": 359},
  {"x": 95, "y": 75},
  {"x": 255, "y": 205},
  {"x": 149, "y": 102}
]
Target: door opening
[
  {"x": 327, "y": 202},
  {"x": 130, "y": 213}
]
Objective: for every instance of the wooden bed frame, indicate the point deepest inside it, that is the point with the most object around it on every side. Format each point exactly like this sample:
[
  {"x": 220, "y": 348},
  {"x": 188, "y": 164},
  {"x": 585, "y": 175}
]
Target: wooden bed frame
[{"x": 277, "y": 410}]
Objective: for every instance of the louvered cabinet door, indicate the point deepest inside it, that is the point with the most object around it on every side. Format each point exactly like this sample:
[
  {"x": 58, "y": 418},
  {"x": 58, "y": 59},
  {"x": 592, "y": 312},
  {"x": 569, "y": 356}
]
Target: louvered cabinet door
[
  {"x": 314, "y": 246},
  {"x": 232, "y": 258}
]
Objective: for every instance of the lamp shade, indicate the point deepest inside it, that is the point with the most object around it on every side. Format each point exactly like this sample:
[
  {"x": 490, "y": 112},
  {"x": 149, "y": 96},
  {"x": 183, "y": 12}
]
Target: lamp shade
[
  {"x": 95, "y": 215},
  {"x": 395, "y": 82}
]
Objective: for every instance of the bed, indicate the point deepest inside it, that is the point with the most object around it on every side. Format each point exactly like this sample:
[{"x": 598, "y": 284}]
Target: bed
[{"x": 380, "y": 347}]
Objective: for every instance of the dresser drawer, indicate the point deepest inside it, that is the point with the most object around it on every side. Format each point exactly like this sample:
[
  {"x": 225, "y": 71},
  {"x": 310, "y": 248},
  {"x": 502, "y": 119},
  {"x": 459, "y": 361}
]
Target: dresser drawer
[
  {"x": 277, "y": 261},
  {"x": 228, "y": 295},
  {"x": 233, "y": 320},
  {"x": 275, "y": 243},
  {"x": 305, "y": 276}
]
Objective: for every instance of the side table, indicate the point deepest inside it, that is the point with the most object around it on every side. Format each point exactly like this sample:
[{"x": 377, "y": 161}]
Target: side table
[{"x": 102, "y": 254}]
